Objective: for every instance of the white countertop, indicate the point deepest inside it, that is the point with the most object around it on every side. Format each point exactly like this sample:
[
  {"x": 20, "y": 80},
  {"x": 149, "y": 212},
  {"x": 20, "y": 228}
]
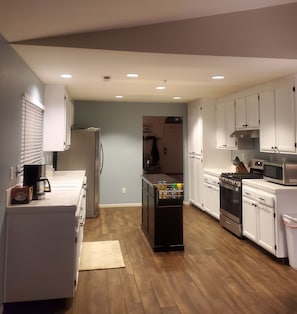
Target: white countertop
[
  {"x": 65, "y": 192},
  {"x": 216, "y": 172},
  {"x": 269, "y": 186}
]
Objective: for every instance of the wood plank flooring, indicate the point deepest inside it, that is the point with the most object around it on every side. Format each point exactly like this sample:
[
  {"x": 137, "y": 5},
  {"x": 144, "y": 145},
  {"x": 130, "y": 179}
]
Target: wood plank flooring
[{"x": 217, "y": 273}]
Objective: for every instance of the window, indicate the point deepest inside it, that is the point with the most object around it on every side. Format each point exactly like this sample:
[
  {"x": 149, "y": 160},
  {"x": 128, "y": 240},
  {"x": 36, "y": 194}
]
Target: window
[{"x": 32, "y": 132}]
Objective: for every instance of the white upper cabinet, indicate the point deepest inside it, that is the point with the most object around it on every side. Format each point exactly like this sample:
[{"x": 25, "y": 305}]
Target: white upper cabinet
[
  {"x": 285, "y": 118},
  {"x": 58, "y": 118},
  {"x": 267, "y": 116},
  {"x": 195, "y": 128},
  {"x": 225, "y": 114},
  {"x": 278, "y": 120},
  {"x": 247, "y": 112}
]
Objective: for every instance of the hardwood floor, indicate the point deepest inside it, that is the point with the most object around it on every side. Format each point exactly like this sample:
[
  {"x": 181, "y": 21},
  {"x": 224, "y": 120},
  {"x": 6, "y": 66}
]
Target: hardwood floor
[{"x": 217, "y": 273}]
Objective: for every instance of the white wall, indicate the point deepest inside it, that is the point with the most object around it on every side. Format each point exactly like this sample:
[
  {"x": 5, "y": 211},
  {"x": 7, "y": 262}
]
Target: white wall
[{"x": 121, "y": 129}]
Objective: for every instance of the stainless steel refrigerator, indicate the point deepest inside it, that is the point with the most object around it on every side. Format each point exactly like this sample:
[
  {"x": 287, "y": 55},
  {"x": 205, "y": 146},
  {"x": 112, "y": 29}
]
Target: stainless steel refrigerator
[{"x": 85, "y": 153}]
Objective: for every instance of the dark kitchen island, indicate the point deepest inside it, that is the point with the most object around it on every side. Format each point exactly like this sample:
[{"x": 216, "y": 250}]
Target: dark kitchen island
[{"x": 162, "y": 212}]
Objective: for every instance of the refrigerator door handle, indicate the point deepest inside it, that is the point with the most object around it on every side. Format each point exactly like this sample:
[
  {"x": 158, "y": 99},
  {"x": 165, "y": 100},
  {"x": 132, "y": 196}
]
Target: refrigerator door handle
[{"x": 102, "y": 158}]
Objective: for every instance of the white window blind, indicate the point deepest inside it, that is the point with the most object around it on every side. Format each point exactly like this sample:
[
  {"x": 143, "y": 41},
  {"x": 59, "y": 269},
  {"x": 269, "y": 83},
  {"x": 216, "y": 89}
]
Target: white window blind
[{"x": 32, "y": 132}]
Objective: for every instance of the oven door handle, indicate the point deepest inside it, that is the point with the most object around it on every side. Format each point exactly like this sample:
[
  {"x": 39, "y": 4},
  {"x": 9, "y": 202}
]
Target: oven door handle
[{"x": 229, "y": 186}]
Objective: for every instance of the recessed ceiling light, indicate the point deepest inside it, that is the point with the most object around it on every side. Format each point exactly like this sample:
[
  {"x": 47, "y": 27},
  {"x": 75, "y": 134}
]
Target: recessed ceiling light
[
  {"x": 119, "y": 96},
  {"x": 132, "y": 75},
  {"x": 66, "y": 75},
  {"x": 218, "y": 77},
  {"x": 160, "y": 87},
  {"x": 176, "y": 97}
]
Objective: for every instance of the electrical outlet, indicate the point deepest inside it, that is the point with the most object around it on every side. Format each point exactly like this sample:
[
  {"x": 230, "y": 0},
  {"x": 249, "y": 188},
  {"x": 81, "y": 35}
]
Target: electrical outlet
[{"x": 124, "y": 190}]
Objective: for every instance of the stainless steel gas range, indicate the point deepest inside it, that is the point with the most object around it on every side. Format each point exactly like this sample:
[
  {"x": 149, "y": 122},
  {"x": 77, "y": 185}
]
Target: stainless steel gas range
[{"x": 231, "y": 196}]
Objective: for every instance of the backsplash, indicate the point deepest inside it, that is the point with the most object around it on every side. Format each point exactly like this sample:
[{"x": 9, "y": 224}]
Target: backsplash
[{"x": 247, "y": 155}]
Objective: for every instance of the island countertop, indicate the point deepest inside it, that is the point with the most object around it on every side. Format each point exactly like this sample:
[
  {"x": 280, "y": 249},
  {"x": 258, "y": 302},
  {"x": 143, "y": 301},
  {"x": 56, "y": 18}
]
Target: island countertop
[{"x": 156, "y": 178}]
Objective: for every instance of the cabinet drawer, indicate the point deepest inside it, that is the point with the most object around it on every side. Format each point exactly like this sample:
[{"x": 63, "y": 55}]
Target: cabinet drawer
[
  {"x": 211, "y": 179},
  {"x": 266, "y": 199},
  {"x": 249, "y": 193}
]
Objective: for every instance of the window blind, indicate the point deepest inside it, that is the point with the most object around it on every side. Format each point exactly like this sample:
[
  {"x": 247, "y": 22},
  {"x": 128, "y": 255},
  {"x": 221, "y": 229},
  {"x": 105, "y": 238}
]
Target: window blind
[{"x": 32, "y": 132}]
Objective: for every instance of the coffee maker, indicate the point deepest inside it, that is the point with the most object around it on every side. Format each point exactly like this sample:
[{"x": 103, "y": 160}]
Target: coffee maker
[{"x": 34, "y": 175}]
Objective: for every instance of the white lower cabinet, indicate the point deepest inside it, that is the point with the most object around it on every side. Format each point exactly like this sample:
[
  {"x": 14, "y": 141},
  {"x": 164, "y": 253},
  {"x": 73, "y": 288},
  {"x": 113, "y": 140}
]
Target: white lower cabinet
[
  {"x": 212, "y": 195},
  {"x": 258, "y": 218},
  {"x": 43, "y": 246},
  {"x": 196, "y": 181}
]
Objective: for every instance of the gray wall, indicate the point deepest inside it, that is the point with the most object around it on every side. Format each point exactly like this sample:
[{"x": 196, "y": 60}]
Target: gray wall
[
  {"x": 121, "y": 129},
  {"x": 15, "y": 78}
]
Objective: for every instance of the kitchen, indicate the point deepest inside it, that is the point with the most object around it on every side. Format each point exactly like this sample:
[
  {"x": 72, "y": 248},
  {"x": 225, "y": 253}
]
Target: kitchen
[{"x": 19, "y": 78}]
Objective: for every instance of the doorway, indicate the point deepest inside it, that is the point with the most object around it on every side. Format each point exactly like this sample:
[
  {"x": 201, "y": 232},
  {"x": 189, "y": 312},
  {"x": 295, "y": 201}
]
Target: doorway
[{"x": 163, "y": 145}]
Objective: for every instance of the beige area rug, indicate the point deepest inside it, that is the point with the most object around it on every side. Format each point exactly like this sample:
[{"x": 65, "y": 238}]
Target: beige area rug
[{"x": 101, "y": 255}]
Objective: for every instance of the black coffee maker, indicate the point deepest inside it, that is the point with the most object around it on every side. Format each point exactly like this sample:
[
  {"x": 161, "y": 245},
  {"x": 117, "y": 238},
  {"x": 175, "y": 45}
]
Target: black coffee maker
[{"x": 34, "y": 175}]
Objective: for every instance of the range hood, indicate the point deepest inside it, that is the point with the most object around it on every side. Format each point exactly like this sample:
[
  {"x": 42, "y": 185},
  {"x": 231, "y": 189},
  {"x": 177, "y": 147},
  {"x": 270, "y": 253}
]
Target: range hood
[{"x": 245, "y": 134}]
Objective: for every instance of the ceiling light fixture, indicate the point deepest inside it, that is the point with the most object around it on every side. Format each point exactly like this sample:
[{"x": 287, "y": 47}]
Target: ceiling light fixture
[
  {"x": 132, "y": 75},
  {"x": 119, "y": 96},
  {"x": 176, "y": 97},
  {"x": 218, "y": 77},
  {"x": 66, "y": 75},
  {"x": 161, "y": 87}
]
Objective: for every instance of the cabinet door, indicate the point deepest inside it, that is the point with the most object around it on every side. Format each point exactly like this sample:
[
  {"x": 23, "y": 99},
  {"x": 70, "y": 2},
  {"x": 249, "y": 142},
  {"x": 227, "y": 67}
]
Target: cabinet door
[
  {"x": 199, "y": 181},
  {"x": 285, "y": 119},
  {"x": 191, "y": 127},
  {"x": 240, "y": 113},
  {"x": 196, "y": 180},
  {"x": 58, "y": 118},
  {"x": 266, "y": 228},
  {"x": 252, "y": 111},
  {"x": 151, "y": 214},
  {"x": 267, "y": 121},
  {"x": 69, "y": 120},
  {"x": 220, "y": 117},
  {"x": 216, "y": 202},
  {"x": 195, "y": 128},
  {"x": 212, "y": 200},
  {"x": 192, "y": 179},
  {"x": 225, "y": 115},
  {"x": 198, "y": 146},
  {"x": 230, "y": 124},
  {"x": 145, "y": 204},
  {"x": 207, "y": 197},
  {"x": 249, "y": 219}
]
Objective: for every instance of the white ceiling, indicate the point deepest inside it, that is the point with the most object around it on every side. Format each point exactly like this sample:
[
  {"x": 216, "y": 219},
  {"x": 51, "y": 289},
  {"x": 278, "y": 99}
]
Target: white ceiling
[{"x": 186, "y": 76}]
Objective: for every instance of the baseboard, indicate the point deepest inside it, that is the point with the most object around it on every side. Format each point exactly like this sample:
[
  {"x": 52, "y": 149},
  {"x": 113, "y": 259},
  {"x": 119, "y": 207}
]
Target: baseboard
[{"x": 120, "y": 205}]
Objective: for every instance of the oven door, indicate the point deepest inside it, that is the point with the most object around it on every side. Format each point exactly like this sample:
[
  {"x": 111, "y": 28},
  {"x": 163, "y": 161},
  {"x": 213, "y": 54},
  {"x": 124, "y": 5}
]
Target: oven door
[{"x": 231, "y": 201}]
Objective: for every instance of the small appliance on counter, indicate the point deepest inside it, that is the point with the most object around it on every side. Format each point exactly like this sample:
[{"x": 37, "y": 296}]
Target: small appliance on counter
[
  {"x": 284, "y": 173},
  {"x": 21, "y": 194},
  {"x": 34, "y": 175}
]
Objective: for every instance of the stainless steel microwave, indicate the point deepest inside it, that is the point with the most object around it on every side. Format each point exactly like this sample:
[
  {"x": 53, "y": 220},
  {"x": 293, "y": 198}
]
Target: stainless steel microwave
[{"x": 281, "y": 173}]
